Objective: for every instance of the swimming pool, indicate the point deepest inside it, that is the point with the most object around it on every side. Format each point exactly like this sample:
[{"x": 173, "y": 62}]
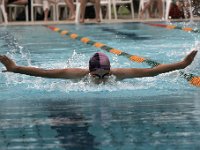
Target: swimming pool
[{"x": 159, "y": 112}]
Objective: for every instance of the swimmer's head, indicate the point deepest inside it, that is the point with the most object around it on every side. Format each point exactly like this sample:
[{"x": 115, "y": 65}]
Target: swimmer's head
[{"x": 99, "y": 61}]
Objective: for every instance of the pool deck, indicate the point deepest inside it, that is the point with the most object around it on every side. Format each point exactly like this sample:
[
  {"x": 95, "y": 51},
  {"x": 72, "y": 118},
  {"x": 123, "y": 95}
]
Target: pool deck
[{"x": 92, "y": 21}]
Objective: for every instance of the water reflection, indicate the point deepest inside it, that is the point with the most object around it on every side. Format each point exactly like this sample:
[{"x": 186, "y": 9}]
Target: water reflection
[
  {"x": 157, "y": 122},
  {"x": 71, "y": 126}
]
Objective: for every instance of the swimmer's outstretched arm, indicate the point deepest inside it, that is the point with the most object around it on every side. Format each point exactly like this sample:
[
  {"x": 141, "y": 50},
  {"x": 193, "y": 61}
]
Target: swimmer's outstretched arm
[
  {"x": 122, "y": 73},
  {"x": 69, "y": 73}
]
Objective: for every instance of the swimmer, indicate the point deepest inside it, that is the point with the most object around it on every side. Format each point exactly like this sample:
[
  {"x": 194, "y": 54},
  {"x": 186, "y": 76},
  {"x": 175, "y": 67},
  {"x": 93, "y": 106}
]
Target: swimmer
[{"x": 99, "y": 69}]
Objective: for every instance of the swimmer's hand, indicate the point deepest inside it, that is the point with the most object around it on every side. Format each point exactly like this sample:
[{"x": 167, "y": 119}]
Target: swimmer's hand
[
  {"x": 8, "y": 63},
  {"x": 189, "y": 58}
]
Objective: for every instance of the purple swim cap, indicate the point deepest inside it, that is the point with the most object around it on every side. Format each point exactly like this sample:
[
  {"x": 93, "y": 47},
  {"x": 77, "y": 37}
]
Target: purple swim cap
[{"x": 99, "y": 61}]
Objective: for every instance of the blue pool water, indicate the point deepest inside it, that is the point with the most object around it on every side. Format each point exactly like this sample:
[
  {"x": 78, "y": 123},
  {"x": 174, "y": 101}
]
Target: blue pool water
[{"x": 159, "y": 112}]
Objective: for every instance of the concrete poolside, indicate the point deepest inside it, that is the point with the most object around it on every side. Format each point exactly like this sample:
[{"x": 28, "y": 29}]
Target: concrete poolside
[{"x": 93, "y": 21}]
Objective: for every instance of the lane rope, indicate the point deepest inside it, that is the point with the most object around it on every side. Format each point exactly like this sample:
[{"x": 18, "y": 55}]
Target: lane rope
[
  {"x": 171, "y": 27},
  {"x": 191, "y": 78}
]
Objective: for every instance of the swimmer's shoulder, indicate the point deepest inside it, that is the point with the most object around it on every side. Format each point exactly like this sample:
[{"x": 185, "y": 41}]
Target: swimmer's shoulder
[
  {"x": 123, "y": 73},
  {"x": 81, "y": 71},
  {"x": 75, "y": 73},
  {"x": 117, "y": 72}
]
